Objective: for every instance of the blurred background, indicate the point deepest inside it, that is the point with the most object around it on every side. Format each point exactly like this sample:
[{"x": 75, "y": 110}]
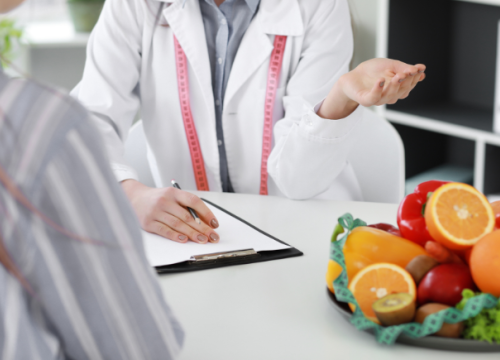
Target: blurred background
[
  {"x": 54, "y": 38},
  {"x": 53, "y": 51}
]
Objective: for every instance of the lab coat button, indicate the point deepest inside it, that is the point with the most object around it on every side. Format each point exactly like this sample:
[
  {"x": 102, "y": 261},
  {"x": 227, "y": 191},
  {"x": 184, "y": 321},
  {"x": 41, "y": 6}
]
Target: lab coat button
[
  {"x": 219, "y": 142},
  {"x": 223, "y": 21},
  {"x": 219, "y": 60},
  {"x": 217, "y": 102}
]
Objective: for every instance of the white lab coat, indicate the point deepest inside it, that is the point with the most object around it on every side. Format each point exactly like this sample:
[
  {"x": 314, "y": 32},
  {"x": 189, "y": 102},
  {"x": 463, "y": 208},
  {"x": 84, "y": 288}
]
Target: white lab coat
[{"x": 131, "y": 65}]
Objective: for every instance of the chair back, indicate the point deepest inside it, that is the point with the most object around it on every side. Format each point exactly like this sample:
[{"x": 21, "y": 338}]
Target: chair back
[{"x": 378, "y": 160}]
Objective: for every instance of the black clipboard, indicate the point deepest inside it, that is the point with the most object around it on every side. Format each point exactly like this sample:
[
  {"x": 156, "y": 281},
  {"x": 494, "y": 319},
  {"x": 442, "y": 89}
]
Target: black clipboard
[{"x": 234, "y": 258}]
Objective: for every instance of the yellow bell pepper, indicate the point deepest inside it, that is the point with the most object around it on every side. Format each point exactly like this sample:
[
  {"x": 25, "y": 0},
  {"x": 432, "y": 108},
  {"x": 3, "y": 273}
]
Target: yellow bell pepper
[{"x": 366, "y": 246}]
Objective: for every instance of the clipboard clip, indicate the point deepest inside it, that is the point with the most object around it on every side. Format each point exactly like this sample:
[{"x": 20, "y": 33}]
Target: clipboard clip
[{"x": 222, "y": 255}]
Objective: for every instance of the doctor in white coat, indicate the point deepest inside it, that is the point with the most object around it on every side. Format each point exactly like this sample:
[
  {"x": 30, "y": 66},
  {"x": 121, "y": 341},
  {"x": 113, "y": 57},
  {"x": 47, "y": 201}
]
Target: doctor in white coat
[{"x": 134, "y": 61}]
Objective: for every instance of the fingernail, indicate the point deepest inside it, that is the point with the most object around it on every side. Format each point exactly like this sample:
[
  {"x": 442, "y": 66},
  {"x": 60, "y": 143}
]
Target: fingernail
[
  {"x": 182, "y": 237},
  {"x": 411, "y": 74},
  {"x": 382, "y": 84},
  {"x": 202, "y": 238},
  {"x": 421, "y": 71},
  {"x": 214, "y": 223},
  {"x": 214, "y": 237},
  {"x": 401, "y": 80}
]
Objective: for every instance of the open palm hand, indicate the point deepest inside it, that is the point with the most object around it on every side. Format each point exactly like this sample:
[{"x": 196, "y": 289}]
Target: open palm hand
[{"x": 382, "y": 81}]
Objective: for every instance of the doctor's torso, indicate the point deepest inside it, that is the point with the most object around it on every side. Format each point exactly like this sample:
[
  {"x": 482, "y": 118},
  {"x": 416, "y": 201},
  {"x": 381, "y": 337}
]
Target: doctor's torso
[{"x": 139, "y": 69}]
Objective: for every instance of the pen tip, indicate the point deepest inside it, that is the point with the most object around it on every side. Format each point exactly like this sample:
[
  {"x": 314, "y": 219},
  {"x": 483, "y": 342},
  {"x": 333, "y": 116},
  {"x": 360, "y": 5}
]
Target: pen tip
[
  {"x": 172, "y": 182},
  {"x": 198, "y": 221}
]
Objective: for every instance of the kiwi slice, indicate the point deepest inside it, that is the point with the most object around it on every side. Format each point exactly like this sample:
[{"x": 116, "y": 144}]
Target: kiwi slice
[
  {"x": 419, "y": 266},
  {"x": 395, "y": 309}
]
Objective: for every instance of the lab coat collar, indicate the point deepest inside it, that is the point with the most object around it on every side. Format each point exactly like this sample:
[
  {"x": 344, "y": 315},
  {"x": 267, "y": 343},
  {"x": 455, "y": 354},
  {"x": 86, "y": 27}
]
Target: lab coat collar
[{"x": 276, "y": 17}]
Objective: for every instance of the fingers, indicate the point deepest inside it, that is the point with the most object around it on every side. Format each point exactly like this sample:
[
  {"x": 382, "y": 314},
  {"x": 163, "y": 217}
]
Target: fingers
[
  {"x": 408, "y": 86},
  {"x": 162, "y": 229},
  {"x": 421, "y": 68},
  {"x": 412, "y": 81},
  {"x": 165, "y": 231},
  {"x": 174, "y": 229},
  {"x": 402, "y": 84},
  {"x": 180, "y": 219},
  {"x": 201, "y": 235},
  {"x": 374, "y": 96},
  {"x": 187, "y": 199},
  {"x": 403, "y": 68},
  {"x": 401, "y": 79},
  {"x": 163, "y": 212},
  {"x": 391, "y": 93},
  {"x": 415, "y": 79}
]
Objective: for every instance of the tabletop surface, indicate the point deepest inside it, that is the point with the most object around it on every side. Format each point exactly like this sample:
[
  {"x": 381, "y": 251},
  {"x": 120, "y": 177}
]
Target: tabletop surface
[{"x": 280, "y": 309}]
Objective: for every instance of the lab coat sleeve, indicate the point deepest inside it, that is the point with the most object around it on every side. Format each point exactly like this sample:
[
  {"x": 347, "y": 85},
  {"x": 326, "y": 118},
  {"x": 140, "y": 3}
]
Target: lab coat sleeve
[
  {"x": 310, "y": 152},
  {"x": 109, "y": 87}
]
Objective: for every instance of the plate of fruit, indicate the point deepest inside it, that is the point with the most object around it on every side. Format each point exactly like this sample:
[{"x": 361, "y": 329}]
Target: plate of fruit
[{"x": 433, "y": 281}]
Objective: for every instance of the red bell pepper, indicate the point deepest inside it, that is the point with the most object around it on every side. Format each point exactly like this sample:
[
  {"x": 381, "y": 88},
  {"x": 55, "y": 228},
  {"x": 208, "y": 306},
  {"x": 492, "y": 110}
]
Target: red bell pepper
[
  {"x": 387, "y": 227},
  {"x": 411, "y": 221}
]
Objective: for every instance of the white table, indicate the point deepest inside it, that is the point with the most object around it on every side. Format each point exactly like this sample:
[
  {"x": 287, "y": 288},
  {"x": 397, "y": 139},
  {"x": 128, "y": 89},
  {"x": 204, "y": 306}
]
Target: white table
[{"x": 279, "y": 309}]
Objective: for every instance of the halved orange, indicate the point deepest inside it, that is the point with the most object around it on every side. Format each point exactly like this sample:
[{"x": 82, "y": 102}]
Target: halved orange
[
  {"x": 376, "y": 281},
  {"x": 457, "y": 216}
]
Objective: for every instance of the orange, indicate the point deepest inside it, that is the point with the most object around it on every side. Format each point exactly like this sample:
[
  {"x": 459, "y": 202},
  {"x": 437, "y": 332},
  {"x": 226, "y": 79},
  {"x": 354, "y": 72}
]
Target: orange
[
  {"x": 376, "y": 281},
  {"x": 485, "y": 263},
  {"x": 457, "y": 216}
]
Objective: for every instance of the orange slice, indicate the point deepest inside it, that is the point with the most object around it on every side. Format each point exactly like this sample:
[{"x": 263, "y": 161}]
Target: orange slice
[
  {"x": 376, "y": 281},
  {"x": 457, "y": 216}
]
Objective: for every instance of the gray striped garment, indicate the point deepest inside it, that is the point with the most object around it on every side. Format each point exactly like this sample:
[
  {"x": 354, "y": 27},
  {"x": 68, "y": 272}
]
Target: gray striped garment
[{"x": 90, "y": 301}]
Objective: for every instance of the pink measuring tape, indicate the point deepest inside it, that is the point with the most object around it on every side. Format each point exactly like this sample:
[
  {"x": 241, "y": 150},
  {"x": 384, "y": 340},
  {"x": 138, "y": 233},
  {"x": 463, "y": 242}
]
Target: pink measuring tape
[{"x": 192, "y": 137}]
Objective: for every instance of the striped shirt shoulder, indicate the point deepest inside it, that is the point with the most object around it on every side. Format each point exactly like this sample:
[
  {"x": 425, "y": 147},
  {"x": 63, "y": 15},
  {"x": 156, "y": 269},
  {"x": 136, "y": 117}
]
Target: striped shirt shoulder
[
  {"x": 35, "y": 120},
  {"x": 95, "y": 299}
]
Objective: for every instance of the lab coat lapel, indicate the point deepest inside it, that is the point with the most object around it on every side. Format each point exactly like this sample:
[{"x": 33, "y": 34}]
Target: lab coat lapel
[
  {"x": 184, "y": 17},
  {"x": 274, "y": 17}
]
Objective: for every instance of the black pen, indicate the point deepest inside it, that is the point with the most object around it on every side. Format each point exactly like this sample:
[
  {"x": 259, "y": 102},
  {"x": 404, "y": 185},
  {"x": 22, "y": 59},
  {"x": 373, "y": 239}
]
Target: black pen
[{"x": 193, "y": 213}]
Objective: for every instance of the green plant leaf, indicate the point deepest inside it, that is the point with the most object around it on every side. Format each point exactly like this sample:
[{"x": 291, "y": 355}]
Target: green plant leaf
[{"x": 10, "y": 35}]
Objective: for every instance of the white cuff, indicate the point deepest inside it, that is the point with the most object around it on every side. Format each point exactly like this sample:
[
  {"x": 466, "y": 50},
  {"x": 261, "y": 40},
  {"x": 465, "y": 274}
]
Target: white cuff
[
  {"x": 314, "y": 125},
  {"x": 123, "y": 172}
]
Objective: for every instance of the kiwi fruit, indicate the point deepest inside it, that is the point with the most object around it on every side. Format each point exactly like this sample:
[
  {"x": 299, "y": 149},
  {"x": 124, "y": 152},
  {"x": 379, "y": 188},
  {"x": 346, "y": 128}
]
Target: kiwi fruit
[
  {"x": 395, "y": 309},
  {"x": 419, "y": 266},
  {"x": 447, "y": 330}
]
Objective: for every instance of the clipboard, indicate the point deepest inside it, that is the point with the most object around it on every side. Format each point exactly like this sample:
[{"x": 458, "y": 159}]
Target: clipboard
[{"x": 230, "y": 258}]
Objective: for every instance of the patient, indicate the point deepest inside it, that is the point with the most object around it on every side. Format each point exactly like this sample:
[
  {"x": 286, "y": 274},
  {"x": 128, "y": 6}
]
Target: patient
[{"x": 74, "y": 280}]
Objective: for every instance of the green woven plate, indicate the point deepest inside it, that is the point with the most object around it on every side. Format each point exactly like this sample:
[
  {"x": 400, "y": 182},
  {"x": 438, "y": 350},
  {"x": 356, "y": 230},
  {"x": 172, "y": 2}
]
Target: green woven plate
[{"x": 430, "y": 342}]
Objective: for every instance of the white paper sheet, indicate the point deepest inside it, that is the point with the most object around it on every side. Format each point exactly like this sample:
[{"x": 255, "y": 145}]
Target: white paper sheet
[{"x": 234, "y": 235}]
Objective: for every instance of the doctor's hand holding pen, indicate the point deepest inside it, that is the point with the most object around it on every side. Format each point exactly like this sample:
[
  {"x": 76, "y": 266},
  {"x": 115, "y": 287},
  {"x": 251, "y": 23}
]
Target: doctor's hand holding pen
[{"x": 165, "y": 212}]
